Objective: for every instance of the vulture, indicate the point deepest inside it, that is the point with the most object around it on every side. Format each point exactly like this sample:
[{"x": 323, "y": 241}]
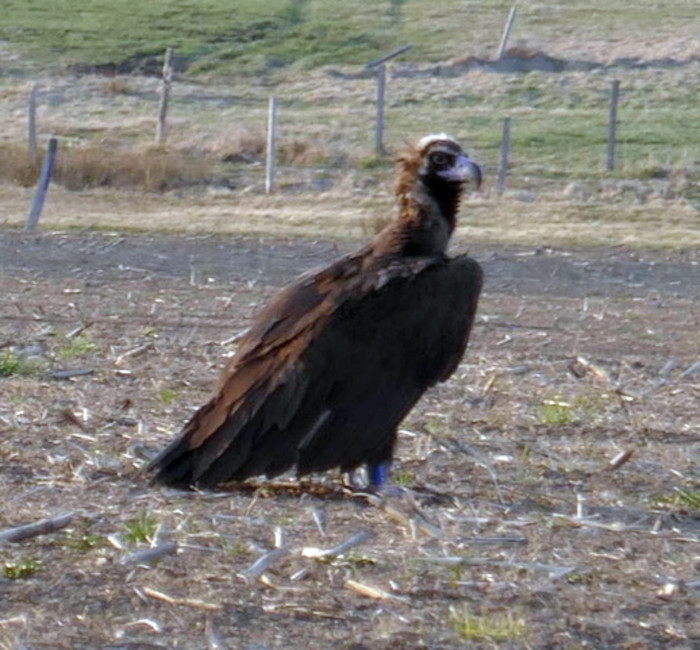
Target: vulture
[{"x": 334, "y": 363}]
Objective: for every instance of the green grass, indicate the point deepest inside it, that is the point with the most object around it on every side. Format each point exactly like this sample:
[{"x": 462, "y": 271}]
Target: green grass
[
  {"x": 556, "y": 413},
  {"x": 682, "y": 499},
  {"x": 217, "y": 122},
  {"x": 21, "y": 569},
  {"x": 404, "y": 478},
  {"x": 84, "y": 542},
  {"x": 141, "y": 529},
  {"x": 168, "y": 396},
  {"x": 221, "y": 36},
  {"x": 77, "y": 346},
  {"x": 493, "y": 628},
  {"x": 12, "y": 364}
]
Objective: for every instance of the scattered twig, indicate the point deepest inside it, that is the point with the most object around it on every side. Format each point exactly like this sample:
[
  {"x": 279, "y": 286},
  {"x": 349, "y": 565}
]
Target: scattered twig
[
  {"x": 188, "y": 336},
  {"x": 490, "y": 383},
  {"x": 72, "y": 418},
  {"x": 172, "y": 600},
  {"x": 134, "y": 352},
  {"x": 20, "y": 533},
  {"x": 691, "y": 371},
  {"x": 109, "y": 245},
  {"x": 319, "y": 517},
  {"x": 620, "y": 459},
  {"x": 372, "y": 592},
  {"x": 266, "y": 580},
  {"x": 69, "y": 374},
  {"x": 355, "y": 540},
  {"x": 280, "y": 537},
  {"x": 213, "y": 640},
  {"x": 150, "y": 623},
  {"x": 236, "y": 337},
  {"x": 151, "y": 555},
  {"x": 78, "y": 330},
  {"x": 301, "y": 609},
  {"x": 485, "y": 541},
  {"x": 669, "y": 366},
  {"x": 581, "y": 365},
  {"x": 263, "y": 563},
  {"x": 117, "y": 540}
]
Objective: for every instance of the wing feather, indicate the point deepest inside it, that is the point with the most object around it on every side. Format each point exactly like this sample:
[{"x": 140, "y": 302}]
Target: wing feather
[{"x": 329, "y": 370}]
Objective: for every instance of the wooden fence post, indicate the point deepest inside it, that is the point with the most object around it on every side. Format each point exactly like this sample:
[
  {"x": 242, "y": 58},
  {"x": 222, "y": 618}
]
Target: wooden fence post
[
  {"x": 161, "y": 131},
  {"x": 379, "y": 124},
  {"x": 41, "y": 190},
  {"x": 31, "y": 124},
  {"x": 380, "y": 65},
  {"x": 506, "y": 33},
  {"x": 612, "y": 125},
  {"x": 504, "y": 157},
  {"x": 271, "y": 157}
]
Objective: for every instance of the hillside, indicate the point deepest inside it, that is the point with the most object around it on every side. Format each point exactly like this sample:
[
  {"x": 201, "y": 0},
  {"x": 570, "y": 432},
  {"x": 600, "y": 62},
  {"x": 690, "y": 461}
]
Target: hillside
[{"x": 218, "y": 36}]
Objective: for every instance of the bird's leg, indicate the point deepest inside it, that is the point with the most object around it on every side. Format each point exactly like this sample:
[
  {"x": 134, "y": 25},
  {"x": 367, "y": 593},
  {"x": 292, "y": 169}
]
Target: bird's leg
[
  {"x": 373, "y": 477},
  {"x": 378, "y": 474}
]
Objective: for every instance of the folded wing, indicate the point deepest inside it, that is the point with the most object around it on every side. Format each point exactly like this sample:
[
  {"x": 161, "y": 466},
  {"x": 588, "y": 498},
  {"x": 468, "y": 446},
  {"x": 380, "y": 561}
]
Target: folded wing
[{"x": 329, "y": 370}]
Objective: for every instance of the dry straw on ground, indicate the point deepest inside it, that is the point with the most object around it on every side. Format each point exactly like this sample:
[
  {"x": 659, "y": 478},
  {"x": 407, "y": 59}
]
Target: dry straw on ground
[{"x": 521, "y": 527}]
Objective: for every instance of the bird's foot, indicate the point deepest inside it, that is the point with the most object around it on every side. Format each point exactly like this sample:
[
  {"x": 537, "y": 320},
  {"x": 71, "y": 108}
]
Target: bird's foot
[
  {"x": 374, "y": 479},
  {"x": 378, "y": 477}
]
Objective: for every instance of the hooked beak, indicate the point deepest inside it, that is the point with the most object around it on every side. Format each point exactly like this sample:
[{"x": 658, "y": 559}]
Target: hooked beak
[{"x": 464, "y": 170}]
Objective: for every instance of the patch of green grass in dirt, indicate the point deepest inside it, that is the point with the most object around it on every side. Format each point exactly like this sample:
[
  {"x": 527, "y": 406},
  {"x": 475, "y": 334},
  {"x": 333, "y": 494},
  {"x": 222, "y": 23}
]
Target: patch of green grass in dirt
[
  {"x": 12, "y": 364},
  {"x": 495, "y": 627},
  {"x": 84, "y": 542},
  {"x": 556, "y": 413},
  {"x": 77, "y": 346},
  {"x": 681, "y": 499},
  {"x": 404, "y": 478},
  {"x": 141, "y": 529},
  {"x": 22, "y": 569},
  {"x": 560, "y": 412},
  {"x": 168, "y": 395}
]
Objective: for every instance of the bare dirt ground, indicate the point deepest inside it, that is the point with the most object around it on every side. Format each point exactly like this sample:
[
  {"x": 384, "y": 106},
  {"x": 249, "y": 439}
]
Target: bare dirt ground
[{"x": 517, "y": 532}]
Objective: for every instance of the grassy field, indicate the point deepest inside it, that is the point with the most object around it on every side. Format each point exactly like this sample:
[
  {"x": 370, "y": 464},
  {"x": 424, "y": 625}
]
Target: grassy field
[
  {"x": 216, "y": 35},
  {"x": 560, "y": 192},
  {"x": 215, "y": 150}
]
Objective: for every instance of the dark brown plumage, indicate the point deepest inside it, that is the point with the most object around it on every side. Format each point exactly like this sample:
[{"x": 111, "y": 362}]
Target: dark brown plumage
[{"x": 335, "y": 362}]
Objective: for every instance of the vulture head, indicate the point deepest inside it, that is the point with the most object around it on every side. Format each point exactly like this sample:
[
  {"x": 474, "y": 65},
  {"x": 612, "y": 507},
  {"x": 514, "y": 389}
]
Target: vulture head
[
  {"x": 442, "y": 162},
  {"x": 432, "y": 174}
]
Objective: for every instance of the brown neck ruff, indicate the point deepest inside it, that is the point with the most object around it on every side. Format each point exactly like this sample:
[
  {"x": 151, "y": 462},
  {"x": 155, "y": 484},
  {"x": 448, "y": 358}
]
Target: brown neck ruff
[{"x": 428, "y": 207}]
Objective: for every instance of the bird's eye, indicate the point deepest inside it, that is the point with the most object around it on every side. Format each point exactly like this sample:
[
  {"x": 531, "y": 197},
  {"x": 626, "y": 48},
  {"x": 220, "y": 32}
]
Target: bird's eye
[{"x": 440, "y": 158}]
